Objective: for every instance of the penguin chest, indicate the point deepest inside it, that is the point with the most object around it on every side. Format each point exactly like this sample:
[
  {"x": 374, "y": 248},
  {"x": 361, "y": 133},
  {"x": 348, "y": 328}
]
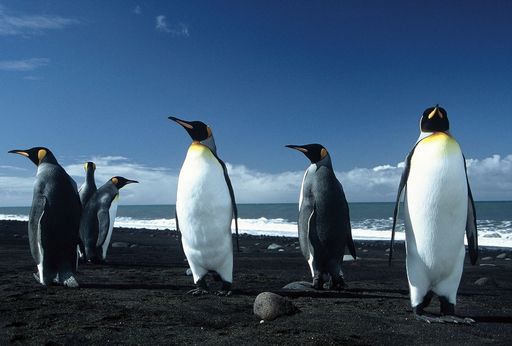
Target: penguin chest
[
  {"x": 436, "y": 199},
  {"x": 203, "y": 204}
]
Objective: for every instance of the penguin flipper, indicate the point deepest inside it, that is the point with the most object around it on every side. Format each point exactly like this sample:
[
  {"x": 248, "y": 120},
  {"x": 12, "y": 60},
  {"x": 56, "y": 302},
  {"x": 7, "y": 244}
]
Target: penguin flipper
[
  {"x": 350, "y": 244},
  {"x": 37, "y": 213},
  {"x": 179, "y": 232},
  {"x": 471, "y": 231},
  {"x": 104, "y": 226},
  {"x": 401, "y": 187},
  {"x": 232, "y": 195}
]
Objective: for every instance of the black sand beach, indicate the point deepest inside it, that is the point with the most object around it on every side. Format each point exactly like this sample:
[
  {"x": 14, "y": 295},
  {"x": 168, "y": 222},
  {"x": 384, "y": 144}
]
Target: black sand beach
[{"x": 139, "y": 298}]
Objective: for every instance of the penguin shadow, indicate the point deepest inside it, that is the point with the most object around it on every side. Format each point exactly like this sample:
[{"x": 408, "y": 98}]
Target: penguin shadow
[
  {"x": 492, "y": 319},
  {"x": 348, "y": 293},
  {"x": 134, "y": 286}
]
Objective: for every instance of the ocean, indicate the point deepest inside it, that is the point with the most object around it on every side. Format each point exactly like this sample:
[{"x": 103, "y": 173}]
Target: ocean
[{"x": 370, "y": 221}]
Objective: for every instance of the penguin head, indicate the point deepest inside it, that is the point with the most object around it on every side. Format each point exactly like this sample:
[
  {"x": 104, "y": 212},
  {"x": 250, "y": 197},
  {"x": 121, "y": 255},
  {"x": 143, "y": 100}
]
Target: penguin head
[
  {"x": 314, "y": 152},
  {"x": 119, "y": 182},
  {"x": 434, "y": 119},
  {"x": 89, "y": 165},
  {"x": 197, "y": 130},
  {"x": 37, "y": 155}
]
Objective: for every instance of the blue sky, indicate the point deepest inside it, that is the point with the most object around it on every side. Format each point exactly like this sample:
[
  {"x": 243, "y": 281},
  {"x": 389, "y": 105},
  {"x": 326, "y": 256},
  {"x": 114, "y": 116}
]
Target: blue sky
[{"x": 95, "y": 80}]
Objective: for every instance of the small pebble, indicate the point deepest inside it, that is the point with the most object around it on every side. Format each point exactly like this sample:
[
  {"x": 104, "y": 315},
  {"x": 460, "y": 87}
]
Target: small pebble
[
  {"x": 485, "y": 281},
  {"x": 488, "y": 258},
  {"x": 120, "y": 244},
  {"x": 503, "y": 255},
  {"x": 274, "y": 247}
]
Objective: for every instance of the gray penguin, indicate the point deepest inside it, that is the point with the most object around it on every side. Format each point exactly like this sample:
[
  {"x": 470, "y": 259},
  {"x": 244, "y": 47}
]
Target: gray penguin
[
  {"x": 98, "y": 219},
  {"x": 85, "y": 193},
  {"x": 89, "y": 186},
  {"x": 54, "y": 220},
  {"x": 324, "y": 221}
]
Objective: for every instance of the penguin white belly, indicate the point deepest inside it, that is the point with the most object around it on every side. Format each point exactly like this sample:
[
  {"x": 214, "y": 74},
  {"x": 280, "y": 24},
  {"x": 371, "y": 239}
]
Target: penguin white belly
[
  {"x": 435, "y": 213},
  {"x": 205, "y": 211},
  {"x": 112, "y": 218}
]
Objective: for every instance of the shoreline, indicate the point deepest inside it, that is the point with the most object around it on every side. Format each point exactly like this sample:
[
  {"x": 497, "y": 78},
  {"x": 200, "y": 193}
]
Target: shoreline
[{"x": 139, "y": 296}]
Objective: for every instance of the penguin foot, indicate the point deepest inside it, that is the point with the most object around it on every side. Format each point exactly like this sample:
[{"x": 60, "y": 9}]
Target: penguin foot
[
  {"x": 457, "y": 320},
  {"x": 318, "y": 283},
  {"x": 225, "y": 290},
  {"x": 427, "y": 319},
  {"x": 224, "y": 293},
  {"x": 337, "y": 285},
  {"x": 71, "y": 282},
  {"x": 198, "y": 292}
]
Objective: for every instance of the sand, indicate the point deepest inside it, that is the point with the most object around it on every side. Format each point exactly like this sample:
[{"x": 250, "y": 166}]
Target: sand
[{"x": 140, "y": 298}]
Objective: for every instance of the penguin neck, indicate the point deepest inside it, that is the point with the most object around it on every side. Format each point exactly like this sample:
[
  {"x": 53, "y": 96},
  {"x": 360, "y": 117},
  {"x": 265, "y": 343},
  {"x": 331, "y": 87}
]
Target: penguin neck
[
  {"x": 326, "y": 162},
  {"x": 89, "y": 178},
  {"x": 424, "y": 135},
  {"x": 210, "y": 143}
]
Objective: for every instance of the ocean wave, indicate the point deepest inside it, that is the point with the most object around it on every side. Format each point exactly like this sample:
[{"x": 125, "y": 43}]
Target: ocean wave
[{"x": 490, "y": 233}]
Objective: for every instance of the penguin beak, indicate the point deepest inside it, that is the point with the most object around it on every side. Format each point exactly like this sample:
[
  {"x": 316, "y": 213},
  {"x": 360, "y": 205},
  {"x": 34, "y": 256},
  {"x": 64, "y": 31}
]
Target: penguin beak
[
  {"x": 297, "y": 147},
  {"x": 182, "y": 123},
  {"x": 20, "y": 152},
  {"x": 132, "y": 182}
]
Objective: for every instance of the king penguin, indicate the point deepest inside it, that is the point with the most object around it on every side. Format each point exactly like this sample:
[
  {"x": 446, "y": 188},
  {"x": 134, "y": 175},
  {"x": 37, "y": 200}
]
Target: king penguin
[
  {"x": 324, "y": 220},
  {"x": 89, "y": 186},
  {"x": 205, "y": 207},
  {"x": 85, "y": 192},
  {"x": 54, "y": 220},
  {"x": 438, "y": 210},
  {"x": 98, "y": 219}
]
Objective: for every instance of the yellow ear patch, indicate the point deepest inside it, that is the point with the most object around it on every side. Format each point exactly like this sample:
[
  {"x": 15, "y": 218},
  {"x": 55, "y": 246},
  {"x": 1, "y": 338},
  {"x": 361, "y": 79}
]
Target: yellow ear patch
[
  {"x": 115, "y": 181},
  {"x": 323, "y": 153},
  {"x": 436, "y": 110},
  {"x": 209, "y": 131},
  {"x": 41, "y": 154}
]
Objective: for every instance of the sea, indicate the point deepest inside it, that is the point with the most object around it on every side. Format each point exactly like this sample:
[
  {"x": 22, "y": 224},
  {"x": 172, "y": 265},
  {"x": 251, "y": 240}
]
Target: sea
[{"x": 370, "y": 221}]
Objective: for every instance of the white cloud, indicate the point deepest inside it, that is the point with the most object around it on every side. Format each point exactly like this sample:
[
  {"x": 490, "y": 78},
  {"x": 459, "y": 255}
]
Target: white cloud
[
  {"x": 11, "y": 24},
  {"x": 23, "y": 65},
  {"x": 490, "y": 179},
  {"x": 161, "y": 25}
]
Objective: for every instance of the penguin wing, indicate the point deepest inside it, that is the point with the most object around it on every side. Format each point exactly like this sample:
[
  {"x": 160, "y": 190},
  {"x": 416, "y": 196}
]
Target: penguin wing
[
  {"x": 403, "y": 182},
  {"x": 471, "y": 232},
  {"x": 350, "y": 241},
  {"x": 104, "y": 224},
  {"x": 36, "y": 219},
  {"x": 179, "y": 232},
  {"x": 232, "y": 194}
]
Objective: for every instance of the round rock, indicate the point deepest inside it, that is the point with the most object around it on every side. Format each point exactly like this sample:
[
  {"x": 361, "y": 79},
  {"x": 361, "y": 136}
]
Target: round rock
[{"x": 269, "y": 306}]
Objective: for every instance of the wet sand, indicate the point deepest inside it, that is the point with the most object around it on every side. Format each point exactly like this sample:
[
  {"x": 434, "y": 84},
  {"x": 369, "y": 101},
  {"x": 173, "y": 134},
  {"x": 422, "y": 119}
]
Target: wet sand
[{"x": 140, "y": 298}]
